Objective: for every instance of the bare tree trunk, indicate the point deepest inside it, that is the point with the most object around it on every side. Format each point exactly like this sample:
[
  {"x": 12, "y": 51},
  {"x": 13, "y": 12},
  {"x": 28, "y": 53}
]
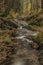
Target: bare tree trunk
[
  {"x": 1, "y": 6},
  {"x": 42, "y": 4},
  {"x": 37, "y": 5},
  {"x": 31, "y": 6}
]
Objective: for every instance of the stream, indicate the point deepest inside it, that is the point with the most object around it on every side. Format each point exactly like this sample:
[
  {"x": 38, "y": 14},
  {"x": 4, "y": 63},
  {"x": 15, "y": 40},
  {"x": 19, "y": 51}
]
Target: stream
[{"x": 26, "y": 55}]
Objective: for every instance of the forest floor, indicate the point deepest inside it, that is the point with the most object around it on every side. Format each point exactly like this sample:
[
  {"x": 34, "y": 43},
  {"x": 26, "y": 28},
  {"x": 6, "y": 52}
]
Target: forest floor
[{"x": 28, "y": 47}]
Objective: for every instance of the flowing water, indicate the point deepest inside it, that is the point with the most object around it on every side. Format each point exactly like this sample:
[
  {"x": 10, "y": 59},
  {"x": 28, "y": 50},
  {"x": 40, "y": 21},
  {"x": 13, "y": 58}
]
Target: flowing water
[{"x": 26, "y": 55}]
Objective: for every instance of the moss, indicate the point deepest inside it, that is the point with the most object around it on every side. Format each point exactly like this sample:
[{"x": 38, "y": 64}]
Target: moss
[{"x": 38, "y": 38}]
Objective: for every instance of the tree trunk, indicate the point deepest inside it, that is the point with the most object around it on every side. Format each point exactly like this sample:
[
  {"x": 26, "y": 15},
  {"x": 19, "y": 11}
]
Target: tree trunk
[
  {"x": 31, "y": 5},
  {"x": 8, "y": 6},
  {"x": 42, "y": 4}
]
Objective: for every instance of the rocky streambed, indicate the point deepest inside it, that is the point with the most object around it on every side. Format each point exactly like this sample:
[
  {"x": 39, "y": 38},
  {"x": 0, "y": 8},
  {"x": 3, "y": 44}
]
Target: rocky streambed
[{"x": 25, "y": 55}]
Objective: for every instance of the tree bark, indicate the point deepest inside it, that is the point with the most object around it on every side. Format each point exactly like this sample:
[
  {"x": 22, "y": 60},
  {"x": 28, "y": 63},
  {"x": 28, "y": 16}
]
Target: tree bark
[{"x": 42, "y": 4}]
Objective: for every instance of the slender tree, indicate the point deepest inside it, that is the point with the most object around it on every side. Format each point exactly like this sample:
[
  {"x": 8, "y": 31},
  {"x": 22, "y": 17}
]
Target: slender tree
[
  {"x": 37, "y": 5},
  {"x": 31, "y": 5},
  {"x": 42, "y": 4},
  {"x": 17, "y": 5}
]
